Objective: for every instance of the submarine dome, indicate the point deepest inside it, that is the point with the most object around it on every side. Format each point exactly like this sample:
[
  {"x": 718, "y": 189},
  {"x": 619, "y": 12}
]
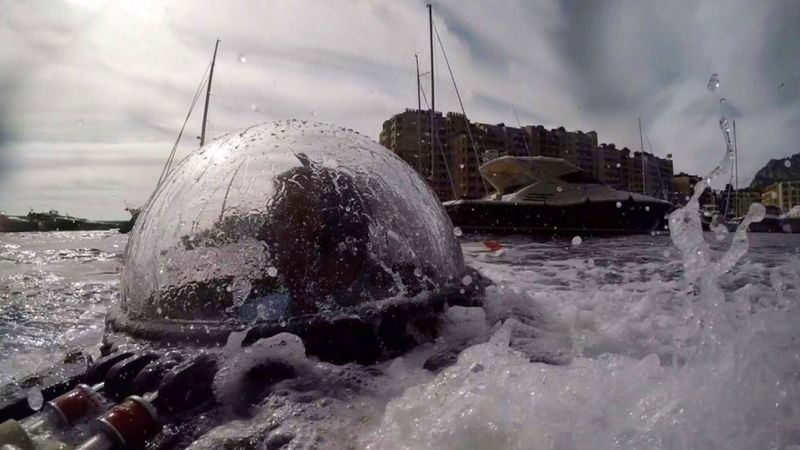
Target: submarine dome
[{"x": 281, "y": 220}]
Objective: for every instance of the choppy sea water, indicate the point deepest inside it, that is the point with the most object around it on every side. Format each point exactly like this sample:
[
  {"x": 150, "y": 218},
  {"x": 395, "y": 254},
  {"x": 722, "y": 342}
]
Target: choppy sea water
[{"x": 653, "y": 360}]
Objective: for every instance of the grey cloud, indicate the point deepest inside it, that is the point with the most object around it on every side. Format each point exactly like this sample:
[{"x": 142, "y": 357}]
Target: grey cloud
[{"x": 92, "y": 94}]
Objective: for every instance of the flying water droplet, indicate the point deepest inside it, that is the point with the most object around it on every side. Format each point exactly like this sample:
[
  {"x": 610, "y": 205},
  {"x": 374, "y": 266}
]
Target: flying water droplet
[
  {"x": 713, "y": 82},
  {"x": 242, "y": 58},
  {"x": 724, "y": 125},
  {"x": 576, "y": 241},
  {"x": 457, "y": 231},
  {"x": 35, "y": 399}
]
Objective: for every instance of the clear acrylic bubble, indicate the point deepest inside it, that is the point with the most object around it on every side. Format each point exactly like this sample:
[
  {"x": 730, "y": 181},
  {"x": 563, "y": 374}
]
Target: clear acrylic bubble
[
  {"x": 787, "y": 163},
  {"x": 576, "y": 241},
  {"x": 242, "y": 58},
  {"x": 35, "y": 399},
  {"x": 713, "y": 82},
  {"x": 183, "y": 233},
  {"x": 467, "y": 280},
  {"x": 457, "y": 231}
]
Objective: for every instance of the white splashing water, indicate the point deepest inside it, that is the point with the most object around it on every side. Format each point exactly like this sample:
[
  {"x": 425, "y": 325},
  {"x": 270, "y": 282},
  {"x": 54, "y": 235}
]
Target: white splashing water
[{"x": 678, "y": 364}]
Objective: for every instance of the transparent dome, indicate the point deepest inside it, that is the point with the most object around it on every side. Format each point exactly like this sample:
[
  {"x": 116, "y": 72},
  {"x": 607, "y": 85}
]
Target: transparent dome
[{"x": 285, "y": 219}]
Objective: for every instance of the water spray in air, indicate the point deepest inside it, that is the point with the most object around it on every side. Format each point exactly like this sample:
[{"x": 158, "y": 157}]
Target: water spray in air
[{"x": 700, "y": 268}]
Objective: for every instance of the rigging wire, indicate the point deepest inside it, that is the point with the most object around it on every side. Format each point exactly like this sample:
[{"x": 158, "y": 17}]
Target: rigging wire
[
  {"x": 441, "y": 151},
  {"x": 528, "y": 149},
  {"x": 658, "y": 170},
  {"x": 458, "y": 95},
  {"x": 170, "y": 159}
]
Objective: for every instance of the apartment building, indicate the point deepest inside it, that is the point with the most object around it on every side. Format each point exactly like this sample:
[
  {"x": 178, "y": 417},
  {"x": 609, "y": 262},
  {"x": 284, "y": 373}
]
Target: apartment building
[
  {"x": 462, "y": 146},
  {"x": 784, "y": 195}
]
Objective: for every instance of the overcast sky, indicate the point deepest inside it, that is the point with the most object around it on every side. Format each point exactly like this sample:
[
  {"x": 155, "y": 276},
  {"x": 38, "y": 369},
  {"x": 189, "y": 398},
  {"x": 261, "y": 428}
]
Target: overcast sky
[{"x": 93, "y": 92}]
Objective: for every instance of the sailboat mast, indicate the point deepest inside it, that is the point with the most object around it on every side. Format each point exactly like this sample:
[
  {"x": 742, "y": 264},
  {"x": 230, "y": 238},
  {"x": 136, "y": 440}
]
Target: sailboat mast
[
  {"x": 641, "y": 146},
  {"x": 736, "y": 170},
  {"x": 419, "y": 120},
  {"x": 208, "y": 96},
  {"x": 433, "y": 96}
]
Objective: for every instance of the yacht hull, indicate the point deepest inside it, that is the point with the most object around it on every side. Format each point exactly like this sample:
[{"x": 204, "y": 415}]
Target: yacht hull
[{"x": 588, "y": 218}]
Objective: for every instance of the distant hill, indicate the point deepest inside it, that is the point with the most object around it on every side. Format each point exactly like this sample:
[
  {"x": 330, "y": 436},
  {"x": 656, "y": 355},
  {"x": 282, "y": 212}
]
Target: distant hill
[{"x": 776, "y": 171}]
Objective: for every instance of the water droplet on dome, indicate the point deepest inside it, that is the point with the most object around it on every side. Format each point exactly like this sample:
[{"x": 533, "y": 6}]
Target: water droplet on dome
[
  {"x": 35, "y": 399},
  {"x": 457, "y": 231},
  {"x": 417, "y": 272},
  {"x": 559, "y": 188},
  {"x": 272, "y": 271},
  {"x": 722, "y": 101},
  {"x": 261, "y": 312},
  {"x": 467, "y": 280},
  {"x": 713, "y": 82},
  {"x": 619, "y": 204},
  {"x": 787, "y": 163},
  {"x": 576, "y": 241},
  {"x": 254, "y": 107}
]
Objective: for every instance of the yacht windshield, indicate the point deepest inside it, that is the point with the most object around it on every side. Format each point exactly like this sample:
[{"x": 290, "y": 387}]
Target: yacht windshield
[{"x": 580, "y": 178}]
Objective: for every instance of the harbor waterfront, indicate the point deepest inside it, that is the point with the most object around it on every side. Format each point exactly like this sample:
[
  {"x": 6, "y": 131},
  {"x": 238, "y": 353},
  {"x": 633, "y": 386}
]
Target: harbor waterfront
[{"x": 619, "y": 306}]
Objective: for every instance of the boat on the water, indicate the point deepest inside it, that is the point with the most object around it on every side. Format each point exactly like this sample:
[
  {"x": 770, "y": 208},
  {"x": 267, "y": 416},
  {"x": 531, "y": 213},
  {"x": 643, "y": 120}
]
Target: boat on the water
[
  {"x": 52, "y": 221},
  {"x": 773, "y": 222},
  {"x": 538, "y": 194},
  {"x": 790, "y": 222}
]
